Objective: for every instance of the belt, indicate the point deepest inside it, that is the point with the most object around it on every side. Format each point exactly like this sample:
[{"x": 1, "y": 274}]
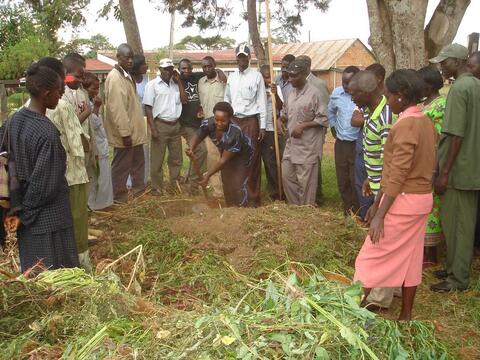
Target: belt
[
  {"x": 347, "y": 141},
  {"x": 246, "y": 117},
  {"x": 166, "y": 122}
]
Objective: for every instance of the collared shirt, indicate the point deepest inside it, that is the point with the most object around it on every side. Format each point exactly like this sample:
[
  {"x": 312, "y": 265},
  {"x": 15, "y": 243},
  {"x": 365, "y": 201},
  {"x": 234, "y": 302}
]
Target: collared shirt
[
  {"x": 164, "y": 99},
  {"x": 67, "y": 123},
  {"x": 340, "y": 110},
  {"x": 303, "y": 106},
  {"x": 245, "y": 91},
  {"x": 211, "y": 91},
  {"x": 285, "y": 85},
  {"x": 462, "y": 119},
  {"x": 375, "y": 133},
  {"x": 269, "y": 116}
]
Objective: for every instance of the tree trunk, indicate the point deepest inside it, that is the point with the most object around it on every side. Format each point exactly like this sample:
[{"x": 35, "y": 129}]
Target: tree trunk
[
  {"x": 380, "y": 38},
  {"x": 3, "y": 103},
  {"x": 407, "y": 18},
  {"x": 398, "y": 38},
  {"x": 254, "y": 33},
  {"x": 443, "y": 25},
  {"x": 130, "y": 25}
]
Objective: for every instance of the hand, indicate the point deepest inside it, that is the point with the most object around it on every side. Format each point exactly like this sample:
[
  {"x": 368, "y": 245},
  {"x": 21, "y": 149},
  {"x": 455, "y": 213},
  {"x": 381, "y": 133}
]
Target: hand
[
  {"x": 12, "y": 223},
  {"x": 441, "y": 183},
  {"x": 371, "y": 213},
  {"x": 273, "y": 89},
  {"x": 357, "y": 119},
  {"x": 86, "y": 109},
  {"x": 154, "y": 133},
  {"x": 189, "y": 152},
  {"x": 261, "y": 135},
  {"x": 127, "y": 141},
  {"x": 200, "y": 113},
  {"x": 297, "y": 132},
  {"x": 366, "y": 189},
  {"x": 376, "y": 229},
  {"x": 97, "y": 101},
  {"x": 204, "y": 181}
]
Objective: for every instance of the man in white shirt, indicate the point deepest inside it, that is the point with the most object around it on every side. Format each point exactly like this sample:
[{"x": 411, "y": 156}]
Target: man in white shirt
[
  {"x": 245, "y": 91},
  {"x": 163, "y": 100}
]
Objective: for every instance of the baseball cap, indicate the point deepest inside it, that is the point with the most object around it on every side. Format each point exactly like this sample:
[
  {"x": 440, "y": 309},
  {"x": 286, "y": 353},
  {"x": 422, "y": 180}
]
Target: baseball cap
[
  {"x": 242, "y": 49},
  {"x": 164, "y": 63},
  {"x": 455, "y": 51},
  {"x": 296, "y": 67}
]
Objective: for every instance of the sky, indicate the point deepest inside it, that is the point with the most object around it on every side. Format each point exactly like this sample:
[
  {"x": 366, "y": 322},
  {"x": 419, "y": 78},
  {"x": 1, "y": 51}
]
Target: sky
[{"x": 344, "y": 19}]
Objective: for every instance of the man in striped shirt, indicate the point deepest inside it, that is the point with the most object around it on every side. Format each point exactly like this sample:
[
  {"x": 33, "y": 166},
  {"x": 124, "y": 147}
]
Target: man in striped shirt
[{"x": 367, "y": 95}]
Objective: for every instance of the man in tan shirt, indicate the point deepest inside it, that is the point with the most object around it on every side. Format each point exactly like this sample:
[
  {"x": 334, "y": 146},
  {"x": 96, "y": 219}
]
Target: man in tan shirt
[
  {"x": 306, "y": 118},
  {"x": 125, "y": 127}
]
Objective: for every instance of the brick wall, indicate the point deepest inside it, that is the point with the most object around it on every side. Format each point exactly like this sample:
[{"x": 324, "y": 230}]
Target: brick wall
[{"x": 356, "y": 55}]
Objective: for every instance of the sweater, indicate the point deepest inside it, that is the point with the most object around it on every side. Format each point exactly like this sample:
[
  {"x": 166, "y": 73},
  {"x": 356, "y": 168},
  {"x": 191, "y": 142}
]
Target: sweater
[{"x": 409, "y": 155}]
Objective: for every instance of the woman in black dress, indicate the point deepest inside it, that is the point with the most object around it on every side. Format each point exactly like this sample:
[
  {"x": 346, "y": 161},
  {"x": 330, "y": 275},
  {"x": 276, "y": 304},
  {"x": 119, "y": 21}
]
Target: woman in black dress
[
  {"x": 236, "y": 153},
  {"x": 43, "y": 220}
]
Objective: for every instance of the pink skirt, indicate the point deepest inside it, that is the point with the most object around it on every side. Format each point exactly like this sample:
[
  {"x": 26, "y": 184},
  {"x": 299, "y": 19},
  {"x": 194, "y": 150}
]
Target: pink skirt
[{"x": 396, "y": 260}]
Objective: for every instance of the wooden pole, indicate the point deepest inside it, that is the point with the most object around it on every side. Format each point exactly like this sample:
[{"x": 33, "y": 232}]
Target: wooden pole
[{"x": 274, "y": 105}]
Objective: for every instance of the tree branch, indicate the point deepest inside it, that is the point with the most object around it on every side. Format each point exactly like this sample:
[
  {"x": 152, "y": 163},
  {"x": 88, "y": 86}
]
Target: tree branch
[{"x": 443, "y": 25}]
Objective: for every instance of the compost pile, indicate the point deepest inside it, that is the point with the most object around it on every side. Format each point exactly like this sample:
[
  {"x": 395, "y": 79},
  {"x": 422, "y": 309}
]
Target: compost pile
[{"x": 296, "y": 312}]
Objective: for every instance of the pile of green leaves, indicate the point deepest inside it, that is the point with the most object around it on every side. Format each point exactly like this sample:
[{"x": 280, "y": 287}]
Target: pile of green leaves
[{"x": 294, "y": 313}]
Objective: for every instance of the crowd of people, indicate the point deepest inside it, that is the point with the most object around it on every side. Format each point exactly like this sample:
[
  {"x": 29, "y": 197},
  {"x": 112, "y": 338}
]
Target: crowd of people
[{"x": 405, "y": 155}]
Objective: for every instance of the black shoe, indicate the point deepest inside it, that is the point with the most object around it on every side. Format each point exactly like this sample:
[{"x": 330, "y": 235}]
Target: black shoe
[
  {"x": 440, "y": 274},
  {"x": 442, "y": 287}
]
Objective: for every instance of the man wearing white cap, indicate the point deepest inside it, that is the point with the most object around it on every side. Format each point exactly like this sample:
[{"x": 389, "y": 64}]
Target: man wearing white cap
[
  {"x": 458, "y": 178},
  {"x": 246, "y": 93},
  {"x": 163, "y": 101}
]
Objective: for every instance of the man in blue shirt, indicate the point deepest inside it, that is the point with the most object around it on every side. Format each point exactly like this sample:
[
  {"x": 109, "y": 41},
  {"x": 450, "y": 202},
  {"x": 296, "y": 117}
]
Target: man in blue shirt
[{"x": 340, "y": 110}]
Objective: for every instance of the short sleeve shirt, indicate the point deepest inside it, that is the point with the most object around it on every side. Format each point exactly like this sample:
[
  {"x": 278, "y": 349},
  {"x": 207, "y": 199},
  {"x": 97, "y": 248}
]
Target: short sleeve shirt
[
  {"x": 462, "y": 118},
  {"x": 375, "y": 133},
  {"x": 233, "y": 139},
  {"x": 190, "y": 109}
]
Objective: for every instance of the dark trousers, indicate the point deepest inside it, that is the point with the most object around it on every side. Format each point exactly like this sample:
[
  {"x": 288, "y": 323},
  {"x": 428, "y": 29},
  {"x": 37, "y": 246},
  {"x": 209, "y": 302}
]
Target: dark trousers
[
  {"x": 459, "y": 213},
  {"x": 270, "y": 162},
  {"x": 345, "y": 169},
  {"x": 364, "y": 203},
  {"x": 128, "y": 161},
  {"x": 251, "y": 128},
  {"x": 235, "y": 182},
  {"x": 477, "y": 228}
]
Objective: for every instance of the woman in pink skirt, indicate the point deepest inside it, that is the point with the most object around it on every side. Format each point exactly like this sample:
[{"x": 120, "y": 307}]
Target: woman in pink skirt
[{"x": 393, "y": 250}]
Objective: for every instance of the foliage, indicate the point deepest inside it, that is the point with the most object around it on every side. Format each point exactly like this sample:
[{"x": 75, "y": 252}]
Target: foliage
[
  {"x": 15, "y": 25},
  {"x": 15, "y": 59},
  {"x": 88, "y": 47},
  {"x": 215, "y": 14},
  {"x": 295, "y": 312},
  {"x": 199, "y": 42},
  {"x": 52, "y": 15}
]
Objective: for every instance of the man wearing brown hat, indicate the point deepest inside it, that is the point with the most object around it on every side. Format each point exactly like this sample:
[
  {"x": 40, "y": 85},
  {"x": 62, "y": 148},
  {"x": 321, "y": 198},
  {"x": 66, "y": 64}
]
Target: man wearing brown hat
[
  {"x": 305, "y": 114},
  {"x": 458, "y": 179}
]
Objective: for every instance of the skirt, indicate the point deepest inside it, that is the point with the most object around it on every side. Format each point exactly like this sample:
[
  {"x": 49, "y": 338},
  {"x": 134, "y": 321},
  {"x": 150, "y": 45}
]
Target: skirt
[
  {"x": 51, "y": 250},
  {"x": 434, "y": 233},
  {"x": 396, "y": 260}
]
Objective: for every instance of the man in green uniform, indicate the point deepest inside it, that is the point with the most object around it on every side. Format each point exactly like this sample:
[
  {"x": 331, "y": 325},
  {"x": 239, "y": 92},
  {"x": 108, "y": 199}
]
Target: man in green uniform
[{"x": 458, "y": 179}]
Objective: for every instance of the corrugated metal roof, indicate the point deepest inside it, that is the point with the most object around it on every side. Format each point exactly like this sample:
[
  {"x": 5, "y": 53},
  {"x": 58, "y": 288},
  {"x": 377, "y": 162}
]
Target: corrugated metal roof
[
  {"x": 97, "y": 65},
  {"x": 324, "y": 54}
]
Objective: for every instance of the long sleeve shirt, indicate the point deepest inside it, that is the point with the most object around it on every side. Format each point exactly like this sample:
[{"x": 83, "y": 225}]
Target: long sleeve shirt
[
  {"x": 302, "y": 106},
  {"x": 340, "y": 110},
  {"x": 245, "y": 91},
  {"x": 409, "y": 156}
]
